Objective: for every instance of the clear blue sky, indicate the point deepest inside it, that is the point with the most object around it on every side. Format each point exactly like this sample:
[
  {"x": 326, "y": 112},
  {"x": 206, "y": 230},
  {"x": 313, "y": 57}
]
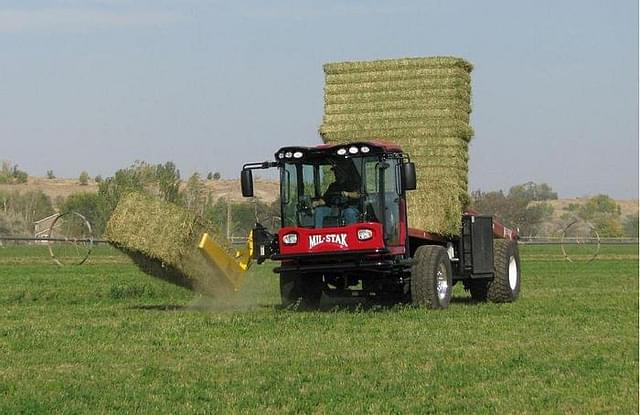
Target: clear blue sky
[{"x": 97, "y": 84}]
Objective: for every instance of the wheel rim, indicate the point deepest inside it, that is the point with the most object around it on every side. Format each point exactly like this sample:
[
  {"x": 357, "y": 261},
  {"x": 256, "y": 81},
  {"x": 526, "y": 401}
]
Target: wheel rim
[
  {"x": 513, "y": 273},
  {"x": 442, "y": 283}
]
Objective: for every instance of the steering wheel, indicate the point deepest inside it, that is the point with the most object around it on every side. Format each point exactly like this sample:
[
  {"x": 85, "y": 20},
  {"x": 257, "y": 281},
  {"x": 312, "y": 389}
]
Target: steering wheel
[{"x": 304, "y": 206}]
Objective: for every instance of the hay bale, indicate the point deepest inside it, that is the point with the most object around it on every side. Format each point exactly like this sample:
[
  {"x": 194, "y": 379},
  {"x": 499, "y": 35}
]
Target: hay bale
[
  {"x": 397, "y": 75},
  {"x": 461, "y": 84},
  {"x": 418, "y": 114},
  {"x": 423, "y": 127},
  {"x": 341, "y": 97},
  {"x": 422, "y": 104},
  {"x": 442, "y": 134},
  {"x": 397, "y": 64},
  {"x": 436, "y": 206},
  {"x": 162, "y": 238},
  {"x": 400, "y": 104}
]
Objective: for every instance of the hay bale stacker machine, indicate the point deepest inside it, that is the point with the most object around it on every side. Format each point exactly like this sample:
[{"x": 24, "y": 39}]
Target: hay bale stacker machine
[{"x": 362, "y": 245}]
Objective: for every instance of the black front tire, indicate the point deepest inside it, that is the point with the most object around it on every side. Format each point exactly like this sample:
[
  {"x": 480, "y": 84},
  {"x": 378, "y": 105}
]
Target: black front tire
[
  {"x": 431, "y": 277},
  {"x": 300, "y": 290}
]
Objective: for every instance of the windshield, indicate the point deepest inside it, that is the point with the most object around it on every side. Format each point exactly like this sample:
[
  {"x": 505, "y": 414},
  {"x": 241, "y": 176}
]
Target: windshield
[{"x": 339, "y": 191}]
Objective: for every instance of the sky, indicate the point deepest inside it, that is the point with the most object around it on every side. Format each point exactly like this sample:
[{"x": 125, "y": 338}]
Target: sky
[{"x": 97, "y": 84}]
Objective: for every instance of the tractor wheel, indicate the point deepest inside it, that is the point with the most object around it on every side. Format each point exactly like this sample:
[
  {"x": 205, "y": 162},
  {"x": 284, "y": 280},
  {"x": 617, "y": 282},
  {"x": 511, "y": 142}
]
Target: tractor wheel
[
  {"x": 505, "y": 286},
  {"x": 431, "y": 280},
  {"x": 301, "y": 290}
]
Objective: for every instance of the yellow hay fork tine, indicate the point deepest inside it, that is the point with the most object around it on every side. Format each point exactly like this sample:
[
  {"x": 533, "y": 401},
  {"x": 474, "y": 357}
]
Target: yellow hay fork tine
[{"x": 233, "y": 268}]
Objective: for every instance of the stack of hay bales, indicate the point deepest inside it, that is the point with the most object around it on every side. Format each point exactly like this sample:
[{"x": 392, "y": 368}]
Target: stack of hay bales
[
  {"x": 422, "y": 104},
  {"x": 162, "y": 238}
]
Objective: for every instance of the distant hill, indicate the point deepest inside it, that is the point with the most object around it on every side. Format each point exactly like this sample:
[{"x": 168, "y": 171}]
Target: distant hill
[{"x": 266, "y": 191}]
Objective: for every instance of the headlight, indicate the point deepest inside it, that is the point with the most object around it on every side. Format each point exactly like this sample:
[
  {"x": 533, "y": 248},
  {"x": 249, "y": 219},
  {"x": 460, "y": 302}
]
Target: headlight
[
  {"x": 342, "y": 151},
  {"x": 288, "y": 154},
  {"x": 353, "y": 150},
  {"x": 364, "y": 234},
  {"x": 297, "y": 155},
  {"x": 280, "y": 155},
  {"x": 365, "y": 149},
  {"x": 290, "y": 239}
]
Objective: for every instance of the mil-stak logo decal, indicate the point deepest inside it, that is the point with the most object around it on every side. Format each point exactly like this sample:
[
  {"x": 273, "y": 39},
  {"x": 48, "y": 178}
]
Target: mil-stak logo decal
[{"x": 330, "y": 238}]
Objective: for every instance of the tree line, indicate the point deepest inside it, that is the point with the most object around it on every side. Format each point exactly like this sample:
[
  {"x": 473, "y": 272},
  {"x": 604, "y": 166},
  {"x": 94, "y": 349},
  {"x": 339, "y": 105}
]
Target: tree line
[
  {"x": 524, "y": 206},
  {"x": 19, "y": 210}
]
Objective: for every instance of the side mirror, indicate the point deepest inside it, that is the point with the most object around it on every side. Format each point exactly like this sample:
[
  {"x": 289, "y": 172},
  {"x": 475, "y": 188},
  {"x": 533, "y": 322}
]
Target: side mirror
[
  {"x": 409, "y": 176},
  {"x": 246, "y": 182}
]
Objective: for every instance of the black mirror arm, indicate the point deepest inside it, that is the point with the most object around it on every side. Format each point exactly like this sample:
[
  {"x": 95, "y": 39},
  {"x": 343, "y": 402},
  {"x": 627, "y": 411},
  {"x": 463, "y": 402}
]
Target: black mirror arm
[
  {"x": 263, "y": 165},
  {"x": 246, "y": 177}
]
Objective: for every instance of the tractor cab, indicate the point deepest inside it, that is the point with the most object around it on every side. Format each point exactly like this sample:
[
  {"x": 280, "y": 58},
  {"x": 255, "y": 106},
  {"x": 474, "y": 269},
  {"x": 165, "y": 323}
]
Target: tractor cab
[{"x": 338, "y": 199}]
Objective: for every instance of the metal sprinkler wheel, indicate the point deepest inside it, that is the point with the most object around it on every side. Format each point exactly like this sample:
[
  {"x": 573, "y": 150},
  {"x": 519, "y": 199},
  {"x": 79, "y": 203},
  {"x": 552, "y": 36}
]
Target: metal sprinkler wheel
[
  {"x": 70, "y": 239},
  {"x": 580, "y": 241}
]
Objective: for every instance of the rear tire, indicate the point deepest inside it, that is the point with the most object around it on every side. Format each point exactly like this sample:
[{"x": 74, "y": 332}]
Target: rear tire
[
  {"x": 301, "y": 290},
  {"x": 431, "y": 279},
  {"x": 505, "y": 286}
]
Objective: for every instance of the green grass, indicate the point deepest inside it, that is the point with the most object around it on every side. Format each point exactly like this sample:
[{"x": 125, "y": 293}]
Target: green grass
[{"x": 103, "y": 337}]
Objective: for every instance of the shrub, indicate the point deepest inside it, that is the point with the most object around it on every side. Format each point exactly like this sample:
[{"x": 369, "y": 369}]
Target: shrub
[{"x": 84, "y": 178}]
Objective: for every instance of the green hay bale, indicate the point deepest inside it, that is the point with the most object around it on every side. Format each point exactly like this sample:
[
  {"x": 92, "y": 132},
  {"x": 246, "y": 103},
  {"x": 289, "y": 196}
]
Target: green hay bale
[
  {"x": 457, "y": 175},
  {"x": 403, "y": 104},
  {"x": 395, "y": 95},
  {"x": 424, "y": 126},
  {"x": 396, "y": 75},
  {"x": 163, "y": 238},
  {"x": 362, "y": 87},
  {"x": 397, "y": 64},
  {"x": 436, "y": 207},
  {"x": 422, "y": 104},
  {"x": 413, "y": 142},
  {"x": 336, "y": 136},
  {"x": 438, "y": 152},
  {"x": 440, "y": 162},
  {"x": 400, "y": 115}
]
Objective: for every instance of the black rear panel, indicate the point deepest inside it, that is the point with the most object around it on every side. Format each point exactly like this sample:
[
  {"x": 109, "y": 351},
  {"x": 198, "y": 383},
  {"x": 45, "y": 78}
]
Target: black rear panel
[{"x": 477, "y": 245}]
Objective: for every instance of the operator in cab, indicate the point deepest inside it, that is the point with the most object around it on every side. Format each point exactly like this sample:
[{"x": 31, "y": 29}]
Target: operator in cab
[{"x": 343, "y": 194}]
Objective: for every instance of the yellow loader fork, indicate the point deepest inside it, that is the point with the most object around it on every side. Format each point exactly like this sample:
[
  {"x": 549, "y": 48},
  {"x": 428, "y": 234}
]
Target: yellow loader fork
[{"x": 233, "y": 267}]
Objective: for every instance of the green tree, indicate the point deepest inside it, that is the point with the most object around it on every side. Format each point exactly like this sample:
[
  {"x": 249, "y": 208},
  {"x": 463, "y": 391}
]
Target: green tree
[
  {"x": 599, "y": 205},
  {"x": 98, "y": 179},
  {"x": 533, "y": 192},
  {"x": 217, "y": 176},
  {"x": 162, "y": 180},
  {"x": 84, "y": 178},
  {"x": 168, "y": 178},
  {"x": 9, "y": 173},
  {"x": 516, "y": 209},
  {"x": 20, "y": 209},
  {"x": 50, "y": 175},
  {"x": 89, "y": 205},
  {"x": 603, "y": 212},
  {"x": 215, "y": 213},
  {"x": 630, "y": 226},
  {"x": 194, "y": 195}
]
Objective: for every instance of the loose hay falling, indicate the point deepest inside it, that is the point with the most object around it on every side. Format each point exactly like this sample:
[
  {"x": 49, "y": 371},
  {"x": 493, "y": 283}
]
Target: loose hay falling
[
  {"x": 162, "y": 239},
  {"x": 423, "y": 104}
]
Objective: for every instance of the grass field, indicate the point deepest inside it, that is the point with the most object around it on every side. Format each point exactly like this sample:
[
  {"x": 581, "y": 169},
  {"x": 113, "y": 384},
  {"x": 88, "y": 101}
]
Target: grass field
[{"x": 103, "y": 337}]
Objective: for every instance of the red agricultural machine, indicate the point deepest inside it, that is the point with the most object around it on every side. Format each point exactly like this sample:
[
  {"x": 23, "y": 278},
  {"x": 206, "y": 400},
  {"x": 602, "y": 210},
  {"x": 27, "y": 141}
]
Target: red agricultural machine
[{"x": 345, "y": 232}]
